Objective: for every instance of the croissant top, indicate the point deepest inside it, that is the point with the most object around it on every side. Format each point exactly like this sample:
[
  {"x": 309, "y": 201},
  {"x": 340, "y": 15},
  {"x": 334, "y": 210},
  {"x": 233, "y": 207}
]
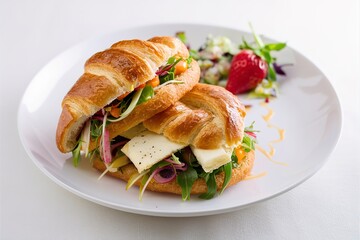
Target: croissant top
[
  {"x": 116, "y": 71},
  {"x": 207, "y": 117}
]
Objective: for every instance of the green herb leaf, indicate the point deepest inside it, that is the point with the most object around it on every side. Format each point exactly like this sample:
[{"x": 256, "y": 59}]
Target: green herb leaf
[
  {"x": 159, "y": 165},
  {"x": 275, "y": 46},
  {"x": 258, "y": 40},
  {"x": 189, "y": 60},
  {"x": 175, "y": 159},
  {"x": 248, "y": 143},
  {"x": 146, "y": 94},
  {"x": 245, "y": 45},
  {"x": 170, "y": 76},
  {"x": 144, "y": 181},
  {"x": 186, "y": 180},
  {"x": 250, "y": 128},
  {"x": 266, "y": 55},
  {"x": 181, "y": 36},
  {"x": 171, "y": 60},
  {"x": 194, "y": 54},
  {"x": 76, "y": 154},
  {"x": 227, "y": 168},
  {"x": 271, "y": 73},
  {"x": 134, "y": 100},
  {"x": 234, "y": 160},
  {"x": 264, "y": 51},
  {"x": 95, "y": 128},
  {"x": 211, "y": 185}
]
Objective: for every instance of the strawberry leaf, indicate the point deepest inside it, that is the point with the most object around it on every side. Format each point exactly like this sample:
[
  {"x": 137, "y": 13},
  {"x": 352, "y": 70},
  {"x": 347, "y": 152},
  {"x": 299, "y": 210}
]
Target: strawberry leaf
[
  {"x": 245, "y": 45},
  {"x": 264, "y": 51},
  {"x": 265, "y": 54},
  {"x": 271, "y": 73},
  {"x": 275, "y": 46}
]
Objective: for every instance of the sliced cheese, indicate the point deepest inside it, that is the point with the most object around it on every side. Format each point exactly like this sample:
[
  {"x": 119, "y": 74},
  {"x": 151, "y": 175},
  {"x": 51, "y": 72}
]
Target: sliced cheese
[
  {"x": 147, "y": 148},
  {"x": 211, "y": 159}
]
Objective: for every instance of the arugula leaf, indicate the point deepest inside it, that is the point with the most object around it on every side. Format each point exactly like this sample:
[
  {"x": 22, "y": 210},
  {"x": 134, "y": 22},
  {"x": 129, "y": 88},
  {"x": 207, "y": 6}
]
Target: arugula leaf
[
  {"x": 159, "y": 165},
  {"x": 211, "y": 185},
  {"x": 173, "y": 60},
  {"x": 250, "y": 128},
  {"x": 170, "y": 74},
  {"x": 76, "y": 154},
  {"x": 186, "y": 180},
  {"x": 193, "y": 53},
  {"x": 134, "y": 100},
  {"x": 234, "y": 160},
  {"x": 227, "y": 168},
  {"x": 95, "y": 128},
  {"x": 248, "y": 143},
  {"x": 181, "y": 36},
  {"x": 146, "y": 94}
]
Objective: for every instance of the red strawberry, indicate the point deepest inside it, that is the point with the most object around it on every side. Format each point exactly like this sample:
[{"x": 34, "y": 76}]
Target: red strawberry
[{"x": 246, "y": 72}]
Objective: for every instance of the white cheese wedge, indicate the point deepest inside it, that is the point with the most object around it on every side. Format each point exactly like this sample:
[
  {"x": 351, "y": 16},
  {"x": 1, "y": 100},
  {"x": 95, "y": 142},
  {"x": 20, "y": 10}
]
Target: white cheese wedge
[
  {"x": 147, "y": 148},
  {"x": 211, "y": 159}
]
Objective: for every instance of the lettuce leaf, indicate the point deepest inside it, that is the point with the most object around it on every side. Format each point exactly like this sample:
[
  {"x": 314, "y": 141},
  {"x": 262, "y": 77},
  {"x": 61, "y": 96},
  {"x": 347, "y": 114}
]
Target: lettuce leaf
[
  {"x": 211, "y": 185},
  {"x": 186, "y": 180}
]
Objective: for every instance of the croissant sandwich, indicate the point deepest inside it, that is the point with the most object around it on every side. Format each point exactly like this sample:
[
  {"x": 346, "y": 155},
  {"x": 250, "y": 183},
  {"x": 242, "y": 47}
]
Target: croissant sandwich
[
  {"x": 122, "y": 86},
  {"x": 199, "y": 145}
]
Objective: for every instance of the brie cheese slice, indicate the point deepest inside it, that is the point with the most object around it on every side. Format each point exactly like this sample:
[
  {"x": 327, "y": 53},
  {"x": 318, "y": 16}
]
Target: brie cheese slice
[
  {"x": 147, "y": 149},
  {"x": 211, "y": 159}
]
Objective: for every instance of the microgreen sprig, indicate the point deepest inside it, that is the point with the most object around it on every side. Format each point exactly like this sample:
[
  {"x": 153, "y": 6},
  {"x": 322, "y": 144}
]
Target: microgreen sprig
[{"x": 264, "y": 51}]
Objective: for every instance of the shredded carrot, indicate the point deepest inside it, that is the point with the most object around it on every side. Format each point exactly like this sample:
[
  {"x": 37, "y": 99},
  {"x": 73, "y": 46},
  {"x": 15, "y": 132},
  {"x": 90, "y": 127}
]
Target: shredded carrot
[
  {"x": 115, "y": 112},
  {"x": 154, "y": 82},
  {"x": 240, "y": 153},
  {"x": 180, "y": 67}
]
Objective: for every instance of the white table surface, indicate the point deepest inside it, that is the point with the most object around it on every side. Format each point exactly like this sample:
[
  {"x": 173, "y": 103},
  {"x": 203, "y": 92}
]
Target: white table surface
[{"x": 324, "y": 207}]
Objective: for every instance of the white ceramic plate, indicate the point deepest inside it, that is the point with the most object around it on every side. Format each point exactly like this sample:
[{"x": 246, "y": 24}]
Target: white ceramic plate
[{"x": 308, "y": 109}]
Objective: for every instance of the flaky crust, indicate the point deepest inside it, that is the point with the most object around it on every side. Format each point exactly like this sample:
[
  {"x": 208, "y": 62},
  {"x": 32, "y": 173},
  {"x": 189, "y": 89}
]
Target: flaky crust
[
  {"x": 207, "y": 117},
  {"x": 109, "y": 74},
  {"x": 199, "y": 186}
]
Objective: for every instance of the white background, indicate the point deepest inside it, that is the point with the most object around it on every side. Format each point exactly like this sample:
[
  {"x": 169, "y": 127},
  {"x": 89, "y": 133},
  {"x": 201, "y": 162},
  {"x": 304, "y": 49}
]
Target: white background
[{"x": 324, "y": 207}]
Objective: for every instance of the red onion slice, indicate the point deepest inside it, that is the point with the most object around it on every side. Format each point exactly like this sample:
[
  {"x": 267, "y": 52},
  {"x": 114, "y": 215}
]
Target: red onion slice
[
  {"x": 106, "y": 147},
  {"x": 118, "y": 144},
  {"x": 169, "y": 160},
  {"x": 105, "y": 150},
  {"x": 251, "y": 134},
  {"x": 165, "y": 174},
  {"x": 181, "y": 167},
  {"x": 100, "y": 118}
]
